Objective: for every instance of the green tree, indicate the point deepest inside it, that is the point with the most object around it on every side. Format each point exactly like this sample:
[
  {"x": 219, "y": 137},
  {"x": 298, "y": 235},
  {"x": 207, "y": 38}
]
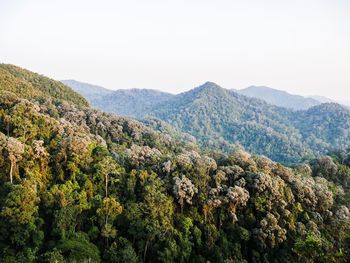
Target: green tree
[{"x": 110, "y": 209}]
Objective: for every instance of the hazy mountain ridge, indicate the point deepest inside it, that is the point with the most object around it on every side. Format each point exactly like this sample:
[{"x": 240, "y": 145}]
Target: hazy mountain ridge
[
  {"x": 135, "y": 102},
  {"x": 321, "y": 99},
  {"x": 279, "y": 98},
  {"x": 89, "y": 91},
  {"x": 126, "y": 102}
]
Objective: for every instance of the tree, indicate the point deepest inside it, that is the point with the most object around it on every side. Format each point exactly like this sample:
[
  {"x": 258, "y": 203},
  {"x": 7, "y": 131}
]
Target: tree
[
  {"x": 78, "y": 248},
  {"x": 122, "y": 251},
  {"x": 309, "y": 248},
  {"x": 105, "y": 168},
  {"x": 19, "y": 222},
  {"x": 14, "y": 150},
  {"x": 237, "y": 197},
  {"x": 110, "y": 210},
  {"x": 184, "y": 190}
]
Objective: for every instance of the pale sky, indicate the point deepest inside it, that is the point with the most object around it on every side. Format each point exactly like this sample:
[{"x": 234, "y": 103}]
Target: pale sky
[{"x": 301, "y": 46}]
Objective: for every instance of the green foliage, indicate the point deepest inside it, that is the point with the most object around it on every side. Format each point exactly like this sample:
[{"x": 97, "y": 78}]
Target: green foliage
[
  {"x": 79, "y": 249},
  {"x": 94, "y": 187},
  {"x": 223, "y": 119},
  {"x": 32, "y": 85},
  {"x": 134, "y": 102},
  {"x": 309, "y": 248}
]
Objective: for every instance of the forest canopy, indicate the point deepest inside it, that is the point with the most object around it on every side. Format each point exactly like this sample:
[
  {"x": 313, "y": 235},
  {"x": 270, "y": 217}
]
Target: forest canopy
[{"x": 81, "y": 185}]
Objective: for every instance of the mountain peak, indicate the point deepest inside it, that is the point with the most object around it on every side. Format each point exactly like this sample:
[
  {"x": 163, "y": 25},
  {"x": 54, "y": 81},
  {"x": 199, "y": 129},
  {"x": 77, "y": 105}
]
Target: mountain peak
[
  {"x": 210, "y": 84},
  {"x": 208, "y": 87}
]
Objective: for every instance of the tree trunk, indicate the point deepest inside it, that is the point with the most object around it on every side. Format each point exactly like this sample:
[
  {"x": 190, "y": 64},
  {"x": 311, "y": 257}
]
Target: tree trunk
[
  {"x": 145, "y": 252},
  {"x": 107, "y": 241},
  {"x": 106, "y": 187},
  {"x": 11, "y": 170}
]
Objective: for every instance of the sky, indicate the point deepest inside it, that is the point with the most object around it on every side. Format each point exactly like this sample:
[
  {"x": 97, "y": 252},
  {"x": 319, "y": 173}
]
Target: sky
[{"x": 301, "y": 46}]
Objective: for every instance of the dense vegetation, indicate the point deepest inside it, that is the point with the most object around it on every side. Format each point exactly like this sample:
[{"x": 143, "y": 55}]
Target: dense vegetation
[
  {"x": 129, "y": 102},
  {"x": 79, "y": 185},
  {"x": 32, "y": 85},
  {"x": 222, "y": 119}
]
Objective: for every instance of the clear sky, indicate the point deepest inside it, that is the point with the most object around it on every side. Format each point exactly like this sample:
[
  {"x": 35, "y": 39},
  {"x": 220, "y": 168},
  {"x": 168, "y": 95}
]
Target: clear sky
[{"x": 302, "y": 46}]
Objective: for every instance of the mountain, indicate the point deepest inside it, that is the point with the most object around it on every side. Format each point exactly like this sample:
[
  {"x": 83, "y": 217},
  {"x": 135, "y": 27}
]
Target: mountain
[
  {"x": 280, "y": 98},
  {"x": 81, "y": 185},
  {"x": 30, "y": 85},
  {"x": 131, "y": 102},
  {"x": 325, "y": 127},
  {"x": 89, "y": 91},
  {"x": 134, "y": 102},
  {"x": 223, "y": 119}
]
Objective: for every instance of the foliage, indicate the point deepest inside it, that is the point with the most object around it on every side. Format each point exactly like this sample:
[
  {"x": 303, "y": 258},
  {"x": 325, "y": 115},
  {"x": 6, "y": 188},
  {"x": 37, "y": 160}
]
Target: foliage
[
  {"x": 223, "y": 119},
  {"x": 94, "y": 187}
]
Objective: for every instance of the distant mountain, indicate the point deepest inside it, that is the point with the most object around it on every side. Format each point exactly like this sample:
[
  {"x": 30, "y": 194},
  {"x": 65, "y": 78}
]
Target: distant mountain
[
  {"x": 134, "y": 102},
  {"x": 279, "y": 97},
  {"x": 223, "y": 119},
  {"x": 126, "y": 102},
  {"x": 89, "y": 91},
  {"x": 321, "y": 99},
  {"x": 220, "y": 118}
]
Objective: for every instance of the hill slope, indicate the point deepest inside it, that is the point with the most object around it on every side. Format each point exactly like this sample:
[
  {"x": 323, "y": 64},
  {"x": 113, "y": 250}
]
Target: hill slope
[
  {"x": 223, "y": 119},
  {"x": 324, "y": 127},
  {"x": 129, "y": 102},
  {"x": 279, "y": 98},
  {"x": 80, "y": 185},
  {"x": 29, "y": 85},
  {"x": 134, "y": 102},
  {"x": 219, "y": 118}
]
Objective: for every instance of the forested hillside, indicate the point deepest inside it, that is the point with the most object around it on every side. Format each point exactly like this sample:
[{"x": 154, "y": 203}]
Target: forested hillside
[
  {"x": 223, "y": 119},
  {"x": 135, "y": 103},
  {"x": 80, "y": 185},
  {"x": 31, "y": 85}
]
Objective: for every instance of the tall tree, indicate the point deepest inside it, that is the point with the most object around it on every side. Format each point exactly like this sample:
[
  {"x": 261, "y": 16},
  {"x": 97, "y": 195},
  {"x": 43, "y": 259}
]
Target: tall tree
[{"x": 14, "y": 151}]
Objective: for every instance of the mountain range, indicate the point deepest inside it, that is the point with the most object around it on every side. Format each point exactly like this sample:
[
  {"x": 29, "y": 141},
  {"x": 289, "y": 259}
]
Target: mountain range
[
  {"x": 97, "y": 95},
  {"x": 224, "y": 119}
]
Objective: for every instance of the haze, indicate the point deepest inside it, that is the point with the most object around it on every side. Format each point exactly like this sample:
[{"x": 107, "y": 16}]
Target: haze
[{"x": 299, "y": 46}]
